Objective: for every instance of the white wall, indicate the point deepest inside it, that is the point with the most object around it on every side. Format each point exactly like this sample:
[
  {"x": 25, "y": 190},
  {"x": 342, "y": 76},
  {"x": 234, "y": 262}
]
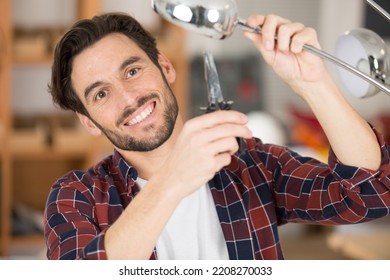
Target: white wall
[{"x": 141, "y": 10}]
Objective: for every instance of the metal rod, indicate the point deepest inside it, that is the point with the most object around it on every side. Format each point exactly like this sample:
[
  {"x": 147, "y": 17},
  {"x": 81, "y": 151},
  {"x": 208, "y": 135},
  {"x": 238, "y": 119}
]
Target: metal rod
[
  {"x": 379, "y": 9},
  {"x": 348, "y": 67},
  {"x": 331, "y": 58}
]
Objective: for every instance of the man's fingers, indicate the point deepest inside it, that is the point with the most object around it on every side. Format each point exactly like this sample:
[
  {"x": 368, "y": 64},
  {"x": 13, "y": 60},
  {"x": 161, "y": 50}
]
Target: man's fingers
[
  {"x": 285, "y": 34},
  {"x": 305, "y": 36},
  {"x": 226, "y": 131},
  {"x": 270, "y": 30},
  {"x": 225, "y": 145},
  {"x": 216, "y": 118}
]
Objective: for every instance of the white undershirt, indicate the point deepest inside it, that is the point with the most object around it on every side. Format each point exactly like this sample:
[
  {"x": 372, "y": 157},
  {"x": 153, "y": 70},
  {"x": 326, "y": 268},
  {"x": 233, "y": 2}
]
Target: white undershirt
[{"x": 193, "y": 232}]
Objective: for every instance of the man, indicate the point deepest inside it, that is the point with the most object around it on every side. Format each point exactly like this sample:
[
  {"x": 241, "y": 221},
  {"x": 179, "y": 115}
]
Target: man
[{"x": 180, "y": 190}]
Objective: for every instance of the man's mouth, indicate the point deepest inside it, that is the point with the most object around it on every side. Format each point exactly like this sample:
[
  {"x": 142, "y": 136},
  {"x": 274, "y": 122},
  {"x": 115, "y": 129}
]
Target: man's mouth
[{"x": 144, "y": 114}]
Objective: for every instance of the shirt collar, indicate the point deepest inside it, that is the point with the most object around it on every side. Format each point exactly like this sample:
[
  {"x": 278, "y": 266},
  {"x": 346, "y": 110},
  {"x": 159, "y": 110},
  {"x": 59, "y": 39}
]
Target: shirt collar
[{"x": 127, "y": 172}]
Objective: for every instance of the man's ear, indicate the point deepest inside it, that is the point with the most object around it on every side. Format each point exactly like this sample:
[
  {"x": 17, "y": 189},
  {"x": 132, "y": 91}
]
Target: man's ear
[
  {"x": 167, "y": 68},
  {"x": 89, "y": 125}
]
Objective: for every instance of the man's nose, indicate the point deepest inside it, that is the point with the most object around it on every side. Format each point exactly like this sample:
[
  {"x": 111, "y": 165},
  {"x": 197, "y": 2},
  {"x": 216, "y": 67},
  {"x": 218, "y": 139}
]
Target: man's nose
[{"x": 127, "y": 96}]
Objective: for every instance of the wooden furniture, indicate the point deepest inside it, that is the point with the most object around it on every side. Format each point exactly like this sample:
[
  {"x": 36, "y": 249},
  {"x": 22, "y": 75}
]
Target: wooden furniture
[
  {"x": 5, "y": 124},
  {"x": 21, "y": 159},
  {"x": 11, "y": 153},
  {"x": 372, "y": 246},
  {"x": 367, "y": 241}
]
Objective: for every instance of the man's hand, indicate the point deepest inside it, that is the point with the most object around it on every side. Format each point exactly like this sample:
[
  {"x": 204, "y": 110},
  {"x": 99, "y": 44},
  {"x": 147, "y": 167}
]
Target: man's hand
[
  {"x": 281, "y": 44},
  {"x": 204, "y": 146}
]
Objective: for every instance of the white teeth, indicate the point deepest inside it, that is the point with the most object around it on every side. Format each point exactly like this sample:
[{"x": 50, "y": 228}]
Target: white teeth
[{"x": 143, "y": 115}]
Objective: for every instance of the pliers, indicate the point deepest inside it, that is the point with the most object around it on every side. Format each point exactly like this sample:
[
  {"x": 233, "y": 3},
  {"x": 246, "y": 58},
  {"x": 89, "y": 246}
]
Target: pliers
[{"x": 215, "y": 97}]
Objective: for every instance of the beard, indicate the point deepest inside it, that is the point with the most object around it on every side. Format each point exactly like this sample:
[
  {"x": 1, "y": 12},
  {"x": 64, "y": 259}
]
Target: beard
[{"x": 156, "y": 137}]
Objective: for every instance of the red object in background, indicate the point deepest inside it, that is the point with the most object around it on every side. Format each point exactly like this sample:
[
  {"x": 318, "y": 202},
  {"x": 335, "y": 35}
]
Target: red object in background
[
  {"x": 247, "y": 90},
  {"x": 307, "y": 131}
]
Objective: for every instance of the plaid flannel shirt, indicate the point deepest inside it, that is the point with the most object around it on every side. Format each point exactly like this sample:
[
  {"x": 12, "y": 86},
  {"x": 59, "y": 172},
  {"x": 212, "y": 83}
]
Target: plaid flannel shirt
[{"x": 263, "y": 187}]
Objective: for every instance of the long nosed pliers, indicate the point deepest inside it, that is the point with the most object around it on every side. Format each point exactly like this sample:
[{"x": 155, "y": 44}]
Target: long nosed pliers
[{"x": 215, "y": 97}]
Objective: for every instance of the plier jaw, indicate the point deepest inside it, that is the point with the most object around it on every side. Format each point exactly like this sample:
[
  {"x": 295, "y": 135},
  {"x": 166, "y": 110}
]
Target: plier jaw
[
  {"x": 215, "y": 97},
  {"x": 212, "y": 106}
]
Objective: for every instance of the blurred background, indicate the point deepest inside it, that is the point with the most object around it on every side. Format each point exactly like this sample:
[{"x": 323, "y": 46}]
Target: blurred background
[{"x": 39, "y": 143}]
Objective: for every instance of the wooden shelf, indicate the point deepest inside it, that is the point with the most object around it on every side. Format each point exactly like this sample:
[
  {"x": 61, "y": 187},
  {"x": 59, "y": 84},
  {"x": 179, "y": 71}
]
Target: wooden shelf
[
  {"x": 20, "y": 154},
  {"x": 48, "y": 153},
  {"x": 9, "y": 156},
  {"x": 362, "y": 241},
  {"x": 30, "y": 246},
  {"x": 33, "y": 61},
  {"x": 6, "y": 124},
  {"x": 31, "y": 144}
]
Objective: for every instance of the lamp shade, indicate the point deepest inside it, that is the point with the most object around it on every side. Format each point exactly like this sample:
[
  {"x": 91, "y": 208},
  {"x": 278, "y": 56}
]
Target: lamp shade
[{"x": 366, "y": 51}]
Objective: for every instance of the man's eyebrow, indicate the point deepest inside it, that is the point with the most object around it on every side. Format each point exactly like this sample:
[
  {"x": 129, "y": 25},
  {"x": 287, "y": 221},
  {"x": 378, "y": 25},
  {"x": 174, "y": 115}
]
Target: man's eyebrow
[
  {"x": 89, "y": 89},
  {"x": 126, "y": 63}
]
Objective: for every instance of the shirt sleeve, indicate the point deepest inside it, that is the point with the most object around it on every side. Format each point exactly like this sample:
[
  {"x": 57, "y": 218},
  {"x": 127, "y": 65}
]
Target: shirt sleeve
[
  {"x": 69, "y": 226},
  {"x": 357, "y": 175},
  {"x": 313, "y": 192}
]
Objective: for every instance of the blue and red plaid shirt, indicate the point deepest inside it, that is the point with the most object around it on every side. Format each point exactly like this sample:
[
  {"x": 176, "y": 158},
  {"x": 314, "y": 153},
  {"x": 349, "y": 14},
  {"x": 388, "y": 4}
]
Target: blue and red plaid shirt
[{"x": 263, "y": 187}]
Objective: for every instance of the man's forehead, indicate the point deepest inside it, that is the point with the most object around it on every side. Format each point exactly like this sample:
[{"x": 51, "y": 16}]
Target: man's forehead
[
  {"x": 111, "y": 42},
  {"x": 110, "y": 51}
]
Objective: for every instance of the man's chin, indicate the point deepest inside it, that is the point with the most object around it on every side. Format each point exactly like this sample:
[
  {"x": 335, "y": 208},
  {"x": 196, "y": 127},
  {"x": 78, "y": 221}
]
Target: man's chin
[{"x": 140, "y": 145}]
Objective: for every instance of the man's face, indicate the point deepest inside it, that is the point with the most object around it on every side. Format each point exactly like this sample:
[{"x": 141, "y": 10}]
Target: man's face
[{"x": 125, "y": 93}]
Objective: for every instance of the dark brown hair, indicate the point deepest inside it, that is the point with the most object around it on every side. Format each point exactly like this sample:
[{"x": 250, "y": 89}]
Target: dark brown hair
[{"x": 83, "y": 34}]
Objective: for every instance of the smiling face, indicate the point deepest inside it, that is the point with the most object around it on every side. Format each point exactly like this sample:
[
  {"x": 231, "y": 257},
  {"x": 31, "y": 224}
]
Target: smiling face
[{"x": 126, "y": 95}]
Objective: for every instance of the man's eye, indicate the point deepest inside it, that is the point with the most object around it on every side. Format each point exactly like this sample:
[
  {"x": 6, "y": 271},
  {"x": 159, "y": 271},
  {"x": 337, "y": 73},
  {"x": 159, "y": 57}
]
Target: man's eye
[
  {"x": 100, "y": 95},
  {"x": 132, "y": 72}
]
